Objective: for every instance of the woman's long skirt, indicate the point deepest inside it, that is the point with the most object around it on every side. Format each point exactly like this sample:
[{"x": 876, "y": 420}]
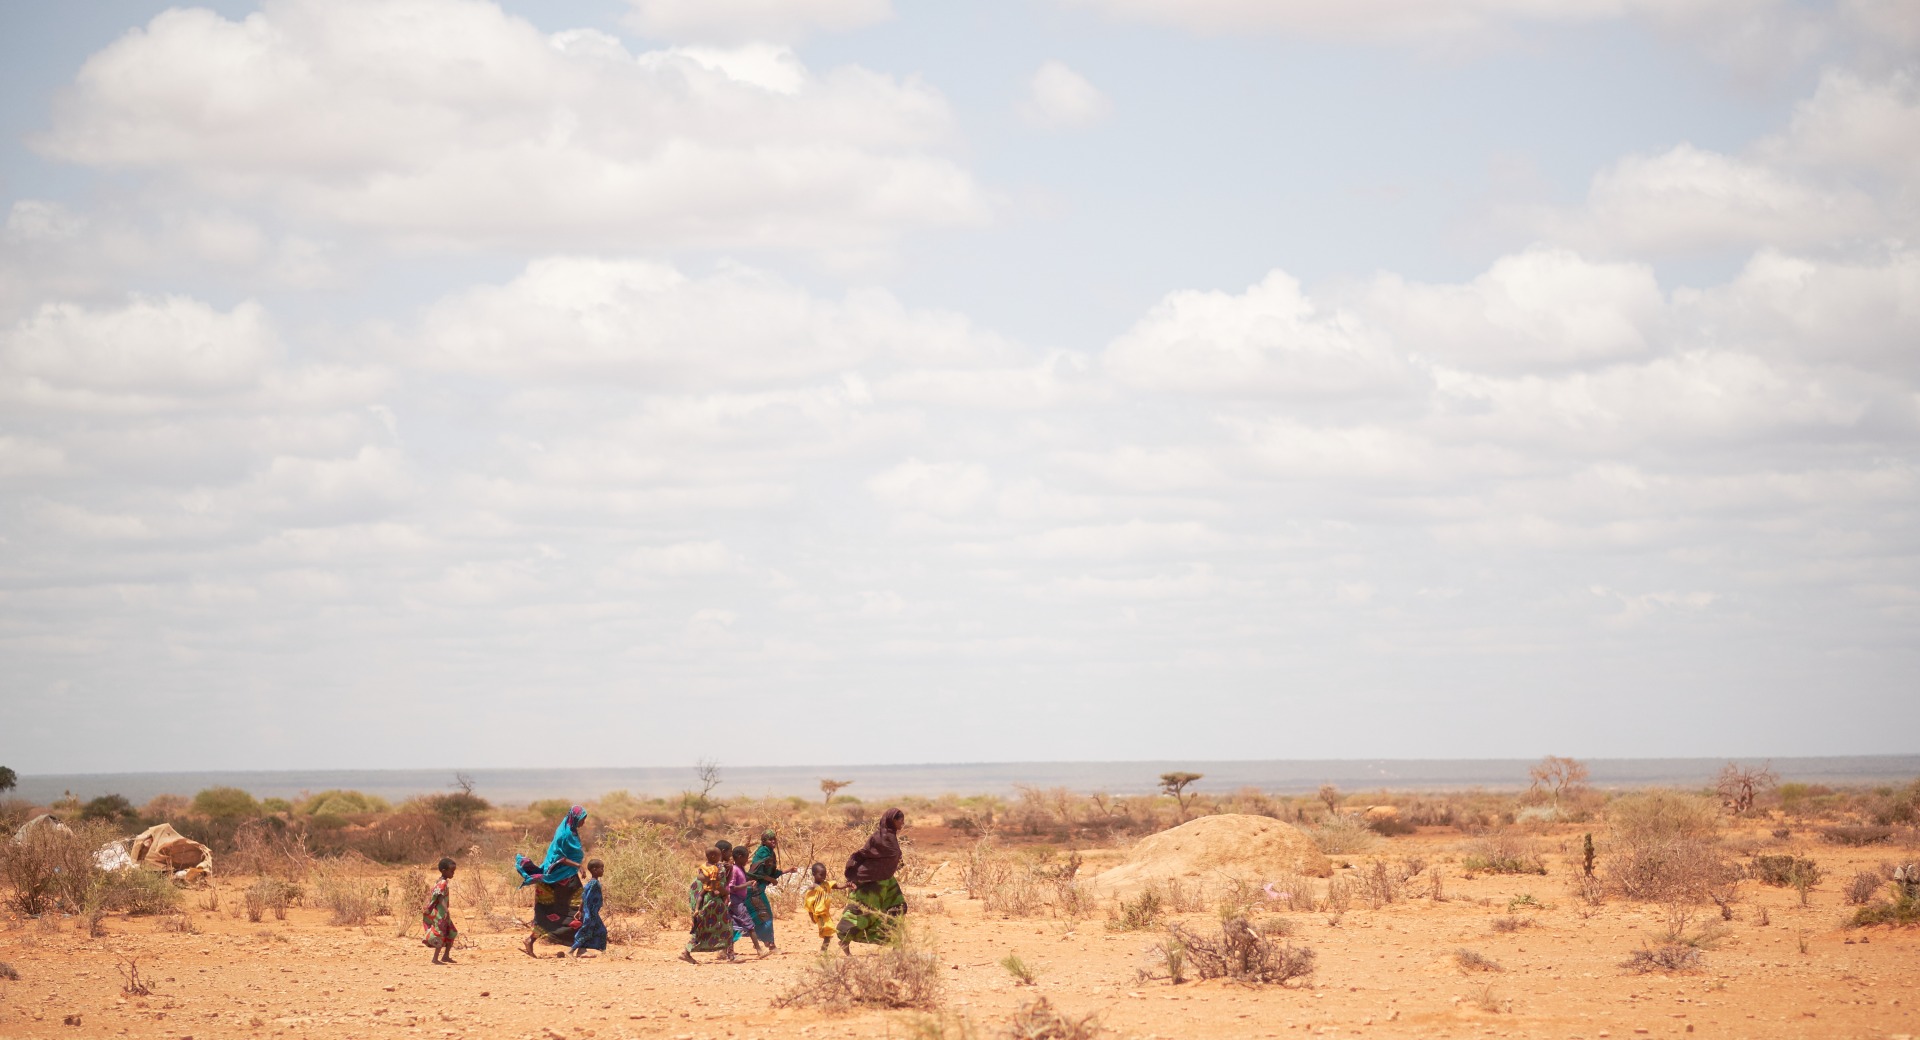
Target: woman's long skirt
[
  {"x": 553, "y": 910},
  {"x": 712, "y": 932},
  {"x": 760, "y": 911},
  {"x": 873, "y": 912}
]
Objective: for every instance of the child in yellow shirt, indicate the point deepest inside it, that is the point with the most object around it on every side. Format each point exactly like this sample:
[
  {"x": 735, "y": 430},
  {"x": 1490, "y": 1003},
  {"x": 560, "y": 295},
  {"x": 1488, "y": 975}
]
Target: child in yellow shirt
[{"x": 820, "y": 904}]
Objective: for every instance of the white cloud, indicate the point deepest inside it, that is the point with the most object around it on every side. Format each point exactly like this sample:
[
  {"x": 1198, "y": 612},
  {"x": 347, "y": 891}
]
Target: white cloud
[
  {"x": 751, "y": 21},
  {"x": 1688, "y": 199},
  {"x": 940, "y": 488},
  {"x": 1271, "y": 340},
  {"x": 1542, "y": 309},
  {"x": 450, "y": 122},
  {"x": 143, "y": 354},
  {"x": 1060, "y": 97},
  {"x": 646, "y": 323},
  {"x": 683, "y": 559}
]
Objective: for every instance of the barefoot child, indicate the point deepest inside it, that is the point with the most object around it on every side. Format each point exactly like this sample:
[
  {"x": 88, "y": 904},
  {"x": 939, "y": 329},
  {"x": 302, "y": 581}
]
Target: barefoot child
[
  {"x": 820, "y": 905},
  {"x": 436, "y": 918},
  {"x": 711, "y": 931},
  {"x": 591, "y": 932}
]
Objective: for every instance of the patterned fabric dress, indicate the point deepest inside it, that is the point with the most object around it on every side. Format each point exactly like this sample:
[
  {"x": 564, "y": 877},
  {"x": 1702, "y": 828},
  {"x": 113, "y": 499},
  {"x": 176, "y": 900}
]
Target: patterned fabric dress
[
  {"x": 763, "y": 871},
  {"x": 592, "y": 933},
  {"x": 874, "y": 910},
  {"x": 711, "y": 931},
  {"x": 436, "y": 919}
]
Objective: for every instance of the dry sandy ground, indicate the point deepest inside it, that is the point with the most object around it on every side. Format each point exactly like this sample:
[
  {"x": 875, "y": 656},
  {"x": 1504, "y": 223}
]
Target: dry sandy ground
[{"x": 1382, "y": 973}]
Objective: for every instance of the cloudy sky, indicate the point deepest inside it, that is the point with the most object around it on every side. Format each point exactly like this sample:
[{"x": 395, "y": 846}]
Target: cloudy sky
[{"x": 469, "y": 382}]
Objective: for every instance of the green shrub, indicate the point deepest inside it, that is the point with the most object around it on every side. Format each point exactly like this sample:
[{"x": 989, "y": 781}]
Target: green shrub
[
  {"x": 342, "y": 803},
  {"x": 225, "y": 803},
  {"x": 1786, "y": 871},
  {"x": 110, "y": 808},
  {"x": 459, "y": 810},
  {"x": 1857, "y": 837},
  {"x": 135, "y": 891},
  {"x": 1903, "y": 911},
  {"x": 1502, "y": 852}
]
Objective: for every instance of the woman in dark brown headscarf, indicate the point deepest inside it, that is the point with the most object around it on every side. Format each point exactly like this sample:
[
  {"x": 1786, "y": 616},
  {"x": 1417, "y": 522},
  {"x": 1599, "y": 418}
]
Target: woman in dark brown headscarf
[{"x": 876, "y": 903}]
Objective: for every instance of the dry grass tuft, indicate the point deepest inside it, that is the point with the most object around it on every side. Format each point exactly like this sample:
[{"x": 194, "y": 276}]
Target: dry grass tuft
[
  {"x": 1241, "y": 954},
  {"x": 8, "y": 973},
  {"x": 1474, "y": 960},
  {"x": 1141, "y": 912},
  {"x": 1040, "y": 1020},
  {"x": 904, "y": 974},
  {"x": 1666, "y": 957}
]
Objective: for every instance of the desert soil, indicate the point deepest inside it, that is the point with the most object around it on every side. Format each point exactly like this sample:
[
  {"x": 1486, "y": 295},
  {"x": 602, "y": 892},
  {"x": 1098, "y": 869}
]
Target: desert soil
[{"x": 1386, "y": 972}]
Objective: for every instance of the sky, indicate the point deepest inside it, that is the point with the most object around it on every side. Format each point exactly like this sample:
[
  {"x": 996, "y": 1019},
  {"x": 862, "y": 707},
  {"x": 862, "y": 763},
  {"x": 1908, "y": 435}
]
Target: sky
[{"x": 470, "y": 383}]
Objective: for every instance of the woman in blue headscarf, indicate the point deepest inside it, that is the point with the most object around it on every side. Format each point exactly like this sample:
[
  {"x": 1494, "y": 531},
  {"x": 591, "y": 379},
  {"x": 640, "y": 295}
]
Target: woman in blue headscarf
[{"x": 555, "y": 881}]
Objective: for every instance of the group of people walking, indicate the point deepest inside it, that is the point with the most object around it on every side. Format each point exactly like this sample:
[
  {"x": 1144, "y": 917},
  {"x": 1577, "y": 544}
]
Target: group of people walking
[{"x": 727, "y": 899}]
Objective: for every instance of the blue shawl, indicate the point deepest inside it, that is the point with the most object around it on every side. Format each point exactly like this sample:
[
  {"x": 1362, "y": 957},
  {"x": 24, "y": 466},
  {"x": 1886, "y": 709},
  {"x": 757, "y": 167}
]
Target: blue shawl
[{"x": 565, "y": 845}]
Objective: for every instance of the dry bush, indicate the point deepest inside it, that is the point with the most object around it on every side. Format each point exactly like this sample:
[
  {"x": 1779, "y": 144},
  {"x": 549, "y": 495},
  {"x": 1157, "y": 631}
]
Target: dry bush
[
  {"x": 1292, "y": 888},
  {"x": 1474, "y": 960},
  {"x": 1503, "y": 925},
  {"x": 350, "y": 898},
  {"x": 1665, "y": 848},
  {"x": 1241, "y": 954},
  {"x": 1343, "y": 835},
  {"x": 267, "y": 846},
  {"x": 1666, "y": 957},
  {"x": 1502, "y": 852},
  {"x": 1378, "y": 886},
  {"x": 409, "y": 897},
  {"x": 1185, "y": 897},
  {"x": 1040, "y": 1020},
  {"x": 647, "y": 872},
  {"x": 1142, "y": 911},
  {"x": 1165, "y": 959},
  {"x": 1787, "y": 871},
  {"x": 268, "y": 894},
  {"x": 904, "y": 974},
  {"x": 1864, "y": 886},
  {"x": 406, "y": 838},
  {"x": 134, "y": 891},
  {"x": 50, "y": 868},
  {"x": 179, "y": 923},
  {"x": 1339, "y": 896},
  {"x": 1857, "y": 837},
  {"x": 8, "y": 972},
  {"x": 478, "y": 893}
]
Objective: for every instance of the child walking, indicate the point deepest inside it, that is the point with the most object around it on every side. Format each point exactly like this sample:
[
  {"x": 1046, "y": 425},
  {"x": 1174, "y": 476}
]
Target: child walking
[
  {"x": 819, "y": 901},
  {"x": 591, "y": 932},
  {"x": 436, "y": 918},
  {"x": 711, "y": 931},
  {"x": 738, "y": 889}
]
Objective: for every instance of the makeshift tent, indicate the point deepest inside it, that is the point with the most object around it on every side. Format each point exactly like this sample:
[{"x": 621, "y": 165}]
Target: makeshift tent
[
  {"x": 42, "y": 820},
  {"x": 160, "y": 847}
]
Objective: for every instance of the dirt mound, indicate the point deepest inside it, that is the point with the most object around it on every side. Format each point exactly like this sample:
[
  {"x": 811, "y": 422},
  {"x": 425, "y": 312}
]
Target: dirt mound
[{"x": 1213, "y": 849}]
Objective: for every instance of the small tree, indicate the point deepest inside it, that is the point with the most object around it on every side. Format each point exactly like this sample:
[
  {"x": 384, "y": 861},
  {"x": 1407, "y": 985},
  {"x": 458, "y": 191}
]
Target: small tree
[
  {"x": 1559, "y": 776},
  {"x": 829, "y": 788},
  {"x": 1176, "y": 785},
  {"x": 8, "y": 779},
  {"x": 1739, "y": 786},
  {"x": 1330, "y": 795},
  {"x": 111, "y": 808}
]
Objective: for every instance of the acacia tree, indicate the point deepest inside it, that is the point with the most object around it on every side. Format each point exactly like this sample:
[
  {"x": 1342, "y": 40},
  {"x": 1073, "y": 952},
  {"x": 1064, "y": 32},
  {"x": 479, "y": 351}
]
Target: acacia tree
[
  {"x": 8, "y": 778},
  {"x": 1739, "y": 786},
  {"x": 1559, "y": 776},
  {"x": 829, "y": 788},
  {"x": 1176, "y": 784}
]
